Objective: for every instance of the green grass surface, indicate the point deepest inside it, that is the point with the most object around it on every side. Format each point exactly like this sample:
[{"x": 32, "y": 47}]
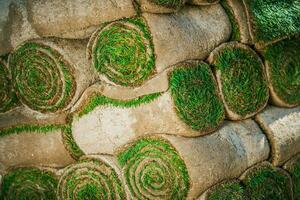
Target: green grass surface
[
  {"x": 295, "y": 174},
  {"x": 29, "y": 128},
  {"x": 284, "y": 63},
  {"x": 266, "y": 184},
  {"x": 70, "y": 143},
  {"x": 235, "y": 32},
  {"x": 28, "y": 184},
  {"x": 153, "y": 169},
  {"x": 274, "y": 19},
  {"x": 169, "y": 3},
  {"x": 8, "y": 98},
  {"x": 90, "y": 179},
  {"x": 100, "y": 100},
  {"x": 227, "y": 191},
  {"x": 195, "y": 95},
  {"x": 244, "y": 85},
  {"x": 43, "y": 79},
  {"x": 124, "y": 52}
]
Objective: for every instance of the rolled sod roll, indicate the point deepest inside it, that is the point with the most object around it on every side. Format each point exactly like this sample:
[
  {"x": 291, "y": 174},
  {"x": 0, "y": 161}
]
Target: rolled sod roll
[
  {"x": 8, "y": 98},
  {"x": 33, "y": 146},
  {"x": 29, "y": 183},
  {"x": 238, "y": 18},
  {"x": 130, "y": 51},
  {"x": 241, "y": 79},
  {"x": 282, "y": 63},
  {"x": 171, "y": 167},
  {"x": 270, "y": 21},
  {"x": 282, "y": 127},
  {"x": 191, "y": 107},
  {"x": 226, "y": 190},
  {"x": 75, "y": 19},
  {"x": 293, "y": 167},
  {"x": 265, "y": 182},
  {"x": 91, "y": 178},
  {"x": 49, "y": 75}
]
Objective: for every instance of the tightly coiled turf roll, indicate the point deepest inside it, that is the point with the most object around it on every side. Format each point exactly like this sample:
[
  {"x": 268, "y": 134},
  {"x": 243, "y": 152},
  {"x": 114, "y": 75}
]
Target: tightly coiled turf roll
[
  {"x": 43, "y": 79},
  {"x": 123, "y": 51},
  {"x": 90, "y": 179},
  {"x": 153, "y": 170},
  {"x": 282, "y": 61},
  {"x": 28, "y": 184},
  {"x": 7, "y": 95}
]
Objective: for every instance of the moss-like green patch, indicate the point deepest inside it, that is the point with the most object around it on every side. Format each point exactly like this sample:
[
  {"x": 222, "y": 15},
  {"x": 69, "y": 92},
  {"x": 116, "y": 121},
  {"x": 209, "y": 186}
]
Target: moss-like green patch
[
  {"x": 90, "y": 179},
  {"x": 123, "y": 51},
  {"x": 8, "y": 98},
  {"x": 195, "y": 95},
  {"x": 227, "y": 191},
  {"x": 170, "y": 3},
  {"x": 153, "y": 169},
  {"x": 235, "y": 34},
  {"x": 284, "y": 70},
  {"x": 274, "y": 19},
  {"x": 30, "y": 128},
  {"x": 266, "y": 183},
  {"x": 295, "y": 173},
  {"x": 43, "y": 80},
  {"x": 101, "y": 100},
  {"x": 70, "y": 143},
  {"x": 28, "y": 184},
  {"x": 244, "y": 84}
]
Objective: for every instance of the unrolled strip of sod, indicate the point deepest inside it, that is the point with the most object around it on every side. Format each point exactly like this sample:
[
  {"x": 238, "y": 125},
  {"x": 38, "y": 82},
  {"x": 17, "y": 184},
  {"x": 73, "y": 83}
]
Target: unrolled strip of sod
[
  {"x": 171, "y": 167},
  {"x": 28, "y": 183},
  {"x": 35, "y": 146},
  {"x": 264, "y": 182},
  {"x": 270, "y": 21},
  {"x": 293, "y": 167},
  {"x": 49, "y": 75},
  {"x": 8, "y": 98},
  {"x": 91, "y": 178},
  {"x": 282, "y": 62},
  {"x": 191, "y": 107},
  {"x": 129, "y": 51},
  {"x": 51, "y": 18},
  {"x": 282, "y": 127},
  {"x": 226, "y": 190},
  {"x": 238, "y": 18},
  {"x": 241, "y": 78}
]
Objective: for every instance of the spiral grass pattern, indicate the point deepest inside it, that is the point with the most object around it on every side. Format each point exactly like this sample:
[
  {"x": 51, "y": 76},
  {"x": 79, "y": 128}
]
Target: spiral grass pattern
[
  {"x": 227, "y": 191},
  {"x": 264, "y": 183},
  {"x": 43, "y": 80},
  {"x": 170, "y": 3},
  {"x": 28, "y": 184},
  {"x": 153, "y": 170},
  {"x": 7, "y": 96},
  {"x": 90, "y": 179},
  {"x": 242, "y": 78},
  {"x": 196, "y": 97},
  {"x": 123, "y": 51},
  {"x": 283, "y": 65}
]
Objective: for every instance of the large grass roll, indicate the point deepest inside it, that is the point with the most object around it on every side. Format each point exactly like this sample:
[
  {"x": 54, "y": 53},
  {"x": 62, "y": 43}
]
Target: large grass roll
[
  {"x": 91, "y": 178},
  {"x": 293, "y": 167},
  {"x": 191, "y": 107},
  {"x": 241, "y": 78},
  {"x": 75, "y": 19},
  {"x": 28, "y": 183},
  {"x": 129, "y": 51},
  {"x": 170, "y": 167},
  {"x": 282, "y": 62}
]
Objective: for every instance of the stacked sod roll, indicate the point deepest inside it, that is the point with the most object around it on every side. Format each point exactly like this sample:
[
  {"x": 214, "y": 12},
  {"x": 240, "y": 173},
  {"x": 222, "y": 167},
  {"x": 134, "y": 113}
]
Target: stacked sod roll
[
  {"x": 129, "y": 51},
  {"x": 293, "y": 167},
  {"x": 241, "y": 78},
  {"x": 282, "y": 63},
  {"x": 198, "y": 112},
  {"x": 29, "y": 183}
]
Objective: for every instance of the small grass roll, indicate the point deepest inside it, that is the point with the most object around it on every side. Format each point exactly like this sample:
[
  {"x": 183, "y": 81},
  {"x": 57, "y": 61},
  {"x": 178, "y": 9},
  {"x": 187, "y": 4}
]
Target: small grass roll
[{"x": 241, "y": 78}]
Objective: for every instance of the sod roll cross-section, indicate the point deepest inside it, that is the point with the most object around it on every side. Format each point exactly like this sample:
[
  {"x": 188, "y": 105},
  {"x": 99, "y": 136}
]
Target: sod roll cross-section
[
  {"x": 28, "y": 184},
  {"x": 241, "y": 78},
  {"x": 153, "y": 170},
  {"x": 123, "y": 51},
  {"x": 229, "y": 190},
  {"x": 90, "y": 179},
  {"x": 43, "y": 79}
]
